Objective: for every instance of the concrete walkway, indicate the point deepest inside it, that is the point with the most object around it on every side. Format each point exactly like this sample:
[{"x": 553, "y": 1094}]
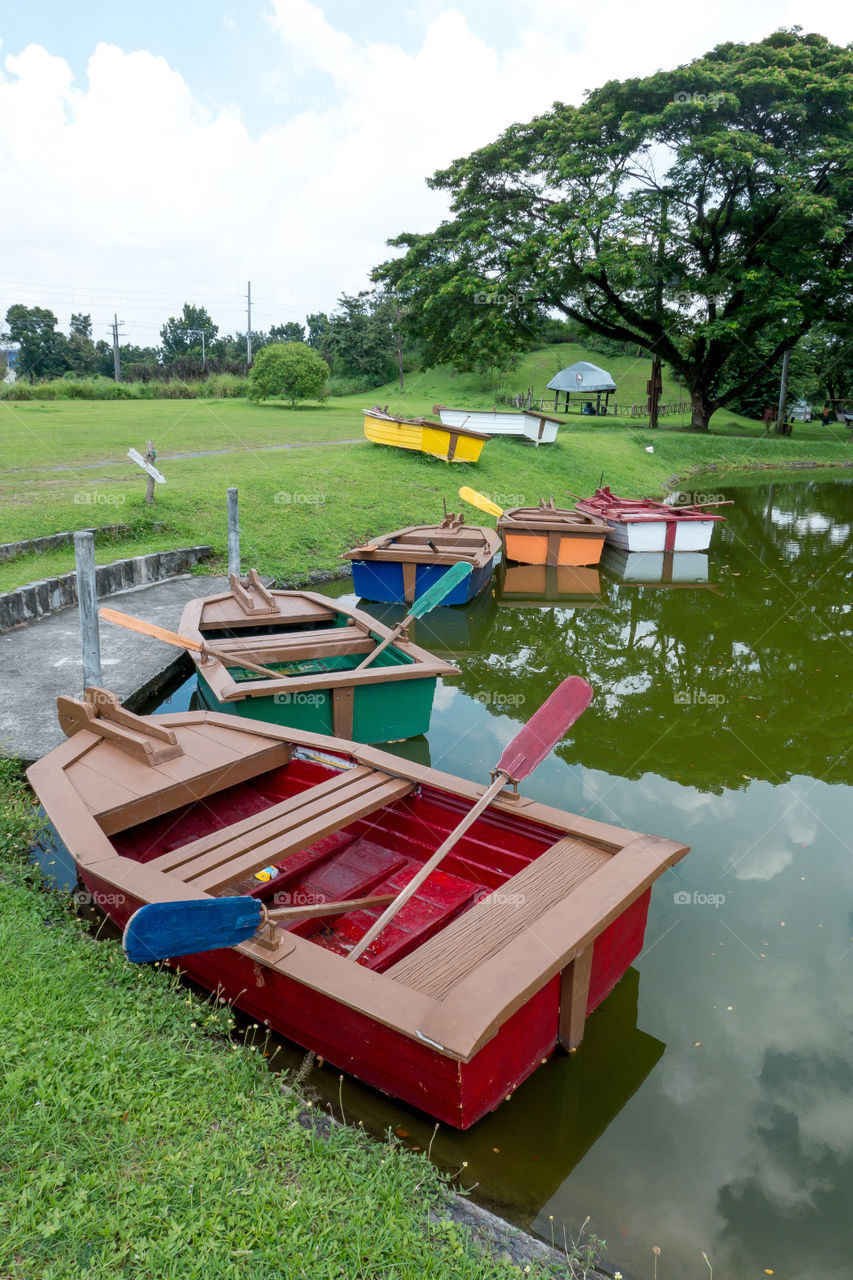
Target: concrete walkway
[{"x": 42, "y": 660}]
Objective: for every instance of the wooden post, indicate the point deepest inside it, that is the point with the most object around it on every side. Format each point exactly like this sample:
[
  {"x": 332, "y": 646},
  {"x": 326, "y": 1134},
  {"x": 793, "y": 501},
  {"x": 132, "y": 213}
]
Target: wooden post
[
  {"x": 150, "y": 455},
  {"x": 574, "y": 995},
  {"x": 87, "y": 600},
  {"x": 233, "y": 534}
]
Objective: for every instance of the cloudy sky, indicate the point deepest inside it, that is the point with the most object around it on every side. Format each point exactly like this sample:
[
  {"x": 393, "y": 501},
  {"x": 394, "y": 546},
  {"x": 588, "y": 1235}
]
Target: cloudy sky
[{"x": 169, "y": 152}]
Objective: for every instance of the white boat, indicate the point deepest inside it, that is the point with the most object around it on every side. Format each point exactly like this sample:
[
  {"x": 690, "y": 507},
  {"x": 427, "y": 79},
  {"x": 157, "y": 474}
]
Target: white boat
[
  {"x": 645, "y": 525},
  {"x": 530, "y": 424}
]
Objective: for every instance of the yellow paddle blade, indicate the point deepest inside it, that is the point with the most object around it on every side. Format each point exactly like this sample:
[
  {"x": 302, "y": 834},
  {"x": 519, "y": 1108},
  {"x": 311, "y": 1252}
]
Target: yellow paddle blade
[
  {"x": 479, "y": 500},
  {"x": 149, "y": 629}
]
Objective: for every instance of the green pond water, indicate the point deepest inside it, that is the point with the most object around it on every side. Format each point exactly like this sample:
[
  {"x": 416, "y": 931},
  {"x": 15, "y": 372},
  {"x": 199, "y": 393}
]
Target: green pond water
[{"x": 710, "y": 1107}]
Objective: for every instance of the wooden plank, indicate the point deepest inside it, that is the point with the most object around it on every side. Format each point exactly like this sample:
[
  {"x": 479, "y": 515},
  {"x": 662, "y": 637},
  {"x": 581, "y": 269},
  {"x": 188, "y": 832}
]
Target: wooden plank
[
  {"x": 306, "y": 833},
  {"x": 574, "y": 995},
  {"x": 475, "y": 1007},
  {"x": 409, "y": 573},
  {"x": 480, "y": 933},
  {"x": 198, "y": 787},
  {"x": 343, "y": 700},
  {"x": 255, "y": 827}
]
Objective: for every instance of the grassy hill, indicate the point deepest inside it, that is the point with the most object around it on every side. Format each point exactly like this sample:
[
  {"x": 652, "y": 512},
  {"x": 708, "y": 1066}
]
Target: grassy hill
[{"x": 535, "y": 369}]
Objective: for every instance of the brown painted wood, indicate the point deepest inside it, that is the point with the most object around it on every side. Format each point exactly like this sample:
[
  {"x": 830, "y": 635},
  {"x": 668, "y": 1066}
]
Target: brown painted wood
[
  {"x": 452, "y": 443},
  {"x": 343, "y": 701},
  {"x": 409, "y": 571},
  {"x": 493, "y": 922},
  {"x": 574, "y": 996},
  {"x": 477, "y": 1005},
  {"x": 261, "y": 602},
  {"x": 75, "y": 716}
]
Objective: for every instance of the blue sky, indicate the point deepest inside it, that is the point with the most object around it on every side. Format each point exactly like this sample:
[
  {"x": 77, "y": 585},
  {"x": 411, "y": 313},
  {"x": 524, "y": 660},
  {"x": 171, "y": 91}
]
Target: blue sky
[{"x": 172, "y": 152}]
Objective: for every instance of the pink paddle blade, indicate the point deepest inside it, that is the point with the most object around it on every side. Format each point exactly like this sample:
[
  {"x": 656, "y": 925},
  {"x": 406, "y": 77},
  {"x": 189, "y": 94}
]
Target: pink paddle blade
[{"x": 545, "y": 728}]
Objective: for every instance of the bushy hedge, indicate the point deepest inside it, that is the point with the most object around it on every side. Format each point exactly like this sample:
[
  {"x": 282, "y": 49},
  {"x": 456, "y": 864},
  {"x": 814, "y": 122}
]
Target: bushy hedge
[{"x": 219, "y": 386}]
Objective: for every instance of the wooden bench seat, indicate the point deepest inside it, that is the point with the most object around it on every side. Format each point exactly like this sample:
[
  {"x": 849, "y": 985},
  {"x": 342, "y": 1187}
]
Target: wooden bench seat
[
  {"x": 237, "y": 851},
  {"x": 480, "y": 933}
]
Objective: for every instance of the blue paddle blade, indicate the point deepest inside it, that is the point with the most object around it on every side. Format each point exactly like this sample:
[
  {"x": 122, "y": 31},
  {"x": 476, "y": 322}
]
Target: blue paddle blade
[
  {"x": 162, "y": 930},
  {"x": 459, "y": 572}
]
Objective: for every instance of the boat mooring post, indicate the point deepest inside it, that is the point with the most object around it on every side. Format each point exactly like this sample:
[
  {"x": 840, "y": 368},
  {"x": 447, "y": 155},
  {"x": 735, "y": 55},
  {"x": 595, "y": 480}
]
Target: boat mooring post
[
  {"x": 87, "y": 600},
  {"x": 233, "y": 534}
]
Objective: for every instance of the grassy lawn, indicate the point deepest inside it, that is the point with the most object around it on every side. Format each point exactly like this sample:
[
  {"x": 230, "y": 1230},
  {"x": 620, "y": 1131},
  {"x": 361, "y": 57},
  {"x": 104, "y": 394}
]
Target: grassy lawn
[
  {"x": 141, "y": 1140},
  {"x": 301, "y": 507}
]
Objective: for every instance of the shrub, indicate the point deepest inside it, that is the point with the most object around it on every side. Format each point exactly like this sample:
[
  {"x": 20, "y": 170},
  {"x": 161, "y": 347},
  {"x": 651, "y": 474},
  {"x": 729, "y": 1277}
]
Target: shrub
[{"x": 288, "y": 370}]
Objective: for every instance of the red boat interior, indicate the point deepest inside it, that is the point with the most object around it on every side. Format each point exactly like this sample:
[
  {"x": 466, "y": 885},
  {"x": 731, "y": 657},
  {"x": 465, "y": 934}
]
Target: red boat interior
[{"x": 376, "y": 854}]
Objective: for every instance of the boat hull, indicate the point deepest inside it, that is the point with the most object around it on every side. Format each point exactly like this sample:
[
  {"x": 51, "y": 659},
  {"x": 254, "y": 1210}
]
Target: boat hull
[
  {"x": 437, "y": 440},
  {"x": 385, "y": 582},
  {"x": 526, "y": 424},
  {"x": 572, "y": 549},
  {"x": 660, "y": 535},
  {"x": 496, "y": 959},
  {"x": 453, "y": 1092},
  {"x": 380, "y": 712}
]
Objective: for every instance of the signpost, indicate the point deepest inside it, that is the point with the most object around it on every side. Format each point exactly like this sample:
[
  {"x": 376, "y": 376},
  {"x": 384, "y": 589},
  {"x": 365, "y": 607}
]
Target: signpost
[{"x": 147, "y": 465}]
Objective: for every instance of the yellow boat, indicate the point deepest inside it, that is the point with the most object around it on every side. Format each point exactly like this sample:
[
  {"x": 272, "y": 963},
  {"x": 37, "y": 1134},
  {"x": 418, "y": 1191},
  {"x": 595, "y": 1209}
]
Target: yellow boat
[{"x": 424, "y": 435}]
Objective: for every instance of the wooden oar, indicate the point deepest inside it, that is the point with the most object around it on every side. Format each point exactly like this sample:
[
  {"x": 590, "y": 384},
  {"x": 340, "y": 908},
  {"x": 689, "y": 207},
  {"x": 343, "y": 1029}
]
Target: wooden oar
[
  {"x": 525, "y": 752},
  {"x": 481, "y": 501},
  {"x": 162, "y": 930},
  {"x": 433, "y": 596},
  {"x": 183, "y": 642}
]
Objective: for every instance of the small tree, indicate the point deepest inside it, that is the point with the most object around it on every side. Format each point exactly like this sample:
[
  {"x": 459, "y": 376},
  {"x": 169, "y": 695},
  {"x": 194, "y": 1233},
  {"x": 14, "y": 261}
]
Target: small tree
[{"x": 290, "y": 371}]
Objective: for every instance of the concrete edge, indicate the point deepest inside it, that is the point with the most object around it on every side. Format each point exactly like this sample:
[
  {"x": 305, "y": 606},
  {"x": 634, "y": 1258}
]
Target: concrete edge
[
  {"x": 49, "y": 595},
  {"x": 56, "y": 541}
]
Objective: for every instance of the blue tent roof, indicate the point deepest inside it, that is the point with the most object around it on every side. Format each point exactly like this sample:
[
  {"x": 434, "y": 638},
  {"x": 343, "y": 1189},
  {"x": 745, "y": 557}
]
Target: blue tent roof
[{"x": 583, "y": 378}]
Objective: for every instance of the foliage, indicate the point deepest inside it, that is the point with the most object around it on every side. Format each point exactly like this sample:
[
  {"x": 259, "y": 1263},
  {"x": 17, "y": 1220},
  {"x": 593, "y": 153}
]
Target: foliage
[
  {"x": 290, "y": 332},
  {"x": 181, "y": 336},
  {"x": 830, "y": 353},
  {"x": 701, "y": 213},
  {"x": 41, "y": 352},
  {"x": 290, "y": 371}
]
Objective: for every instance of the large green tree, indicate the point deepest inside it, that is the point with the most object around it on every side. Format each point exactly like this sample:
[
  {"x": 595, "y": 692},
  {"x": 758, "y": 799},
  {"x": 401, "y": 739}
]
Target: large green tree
[
  {"x": 289, "y": 370},
  {"x": 700, "y": 213},
  {"x": 42, "y": 346}
]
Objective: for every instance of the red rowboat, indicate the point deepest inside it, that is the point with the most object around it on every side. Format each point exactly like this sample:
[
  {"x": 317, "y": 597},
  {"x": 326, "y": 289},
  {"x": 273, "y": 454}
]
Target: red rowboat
[{"x": 498, "y": 958}]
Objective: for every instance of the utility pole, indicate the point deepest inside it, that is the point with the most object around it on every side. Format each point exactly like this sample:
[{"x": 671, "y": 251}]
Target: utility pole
[
  {"x": 116, "y": 357},
  {"x": 249, "y": 326},
  {"x": 783, "y": 393},
  {"x": 399, "y": 342},
  {"x": 199, "y": 333}
]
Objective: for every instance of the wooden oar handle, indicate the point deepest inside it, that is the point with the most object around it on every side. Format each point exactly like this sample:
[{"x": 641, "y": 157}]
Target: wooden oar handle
[
  {"x": 427, "y": 869},
  {"x": 314, "y": 910}
]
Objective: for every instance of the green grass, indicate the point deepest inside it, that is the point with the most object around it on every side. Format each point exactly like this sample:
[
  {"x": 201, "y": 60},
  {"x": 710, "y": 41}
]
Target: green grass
[
  {"x": 139, "y": 1139},
  {"x": 300, "y": 508}
]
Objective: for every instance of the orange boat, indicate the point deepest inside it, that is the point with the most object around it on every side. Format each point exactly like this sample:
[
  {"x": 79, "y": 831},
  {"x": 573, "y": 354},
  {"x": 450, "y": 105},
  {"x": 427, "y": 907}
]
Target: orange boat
[{"x": 551, "y": 535}]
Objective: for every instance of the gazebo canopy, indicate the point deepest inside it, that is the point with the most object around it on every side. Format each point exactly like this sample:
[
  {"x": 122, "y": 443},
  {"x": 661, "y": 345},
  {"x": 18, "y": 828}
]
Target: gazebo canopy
[{"x": 582, "y": 378}]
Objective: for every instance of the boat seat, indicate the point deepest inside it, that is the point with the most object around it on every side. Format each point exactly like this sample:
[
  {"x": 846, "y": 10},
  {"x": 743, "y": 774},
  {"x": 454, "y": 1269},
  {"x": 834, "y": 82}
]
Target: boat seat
[
  {"x": 495, "y": 920},
  {"x": 239, "y": 850}
]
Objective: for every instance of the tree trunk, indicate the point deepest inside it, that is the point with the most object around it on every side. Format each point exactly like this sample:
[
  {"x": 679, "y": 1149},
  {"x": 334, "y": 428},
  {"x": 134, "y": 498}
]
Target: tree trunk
[{"x": 701, "y": 408}]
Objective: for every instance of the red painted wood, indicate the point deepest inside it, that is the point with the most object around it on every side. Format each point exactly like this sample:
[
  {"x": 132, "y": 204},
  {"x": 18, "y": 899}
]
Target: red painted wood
[
  {"x": 545, "y": 728},
  {"x": 616, "y": 947},
  {"x": 455, "y": 1093}
]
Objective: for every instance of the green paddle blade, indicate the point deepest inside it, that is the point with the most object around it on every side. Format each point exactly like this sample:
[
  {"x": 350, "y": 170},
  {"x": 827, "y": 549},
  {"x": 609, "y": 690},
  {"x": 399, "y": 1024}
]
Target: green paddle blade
[{"x": 459, "y": 572}]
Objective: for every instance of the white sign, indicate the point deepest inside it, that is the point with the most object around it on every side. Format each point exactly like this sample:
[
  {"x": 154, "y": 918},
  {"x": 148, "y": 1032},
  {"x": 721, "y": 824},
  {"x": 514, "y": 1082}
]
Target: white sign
[{"x": 146, "y": 466}]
